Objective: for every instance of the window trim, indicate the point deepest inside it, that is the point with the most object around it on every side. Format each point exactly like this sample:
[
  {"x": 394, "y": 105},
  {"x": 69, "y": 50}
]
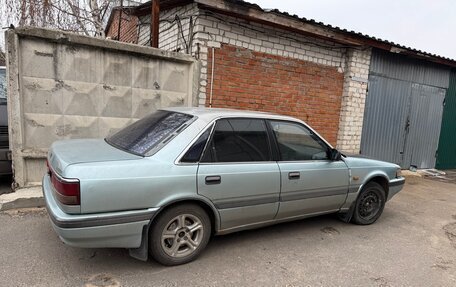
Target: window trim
[
  {"x": 187, "y": 149},
  {"x": 273, "y": 144},
  {"x": 279, "y": 156},
  {"x": 264, "y": 120},
  {"x": 179, "y": 161}
]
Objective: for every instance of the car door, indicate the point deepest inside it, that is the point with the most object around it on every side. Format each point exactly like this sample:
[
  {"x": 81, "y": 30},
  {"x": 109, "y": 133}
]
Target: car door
[
  {"x": 311, "y": 182},
  {"x": 237, "y": 172}
]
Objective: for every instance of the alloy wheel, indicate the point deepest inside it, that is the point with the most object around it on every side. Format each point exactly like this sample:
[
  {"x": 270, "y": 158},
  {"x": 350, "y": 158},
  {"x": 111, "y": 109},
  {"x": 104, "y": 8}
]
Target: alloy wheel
[{"x": 182, "y": 235}]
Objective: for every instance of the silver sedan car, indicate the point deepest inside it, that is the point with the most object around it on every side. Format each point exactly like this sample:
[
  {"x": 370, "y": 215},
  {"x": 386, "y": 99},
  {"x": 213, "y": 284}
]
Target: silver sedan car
[{"x": 168, "y": 182}]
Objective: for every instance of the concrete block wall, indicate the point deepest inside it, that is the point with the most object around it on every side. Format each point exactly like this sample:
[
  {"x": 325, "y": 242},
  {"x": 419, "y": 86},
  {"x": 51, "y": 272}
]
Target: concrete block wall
[
  {"x": 65, "y": 86},
  {"x": 353, "y": 100}
]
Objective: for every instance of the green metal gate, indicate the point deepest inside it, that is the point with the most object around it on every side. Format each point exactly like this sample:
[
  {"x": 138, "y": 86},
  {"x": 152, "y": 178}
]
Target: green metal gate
[{"x": 446, "y": 157}]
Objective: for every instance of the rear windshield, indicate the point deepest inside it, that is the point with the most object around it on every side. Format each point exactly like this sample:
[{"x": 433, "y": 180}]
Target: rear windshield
[{"x": 149, "y": 133}]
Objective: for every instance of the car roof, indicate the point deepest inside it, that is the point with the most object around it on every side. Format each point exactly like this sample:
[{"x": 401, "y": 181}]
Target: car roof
[{"x": 210, "y": 114}]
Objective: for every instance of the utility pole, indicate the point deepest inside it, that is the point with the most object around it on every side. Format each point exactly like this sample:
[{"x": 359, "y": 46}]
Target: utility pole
[
  {"x": 120, "y": 20},
  {"x": 154, "y": 23}
]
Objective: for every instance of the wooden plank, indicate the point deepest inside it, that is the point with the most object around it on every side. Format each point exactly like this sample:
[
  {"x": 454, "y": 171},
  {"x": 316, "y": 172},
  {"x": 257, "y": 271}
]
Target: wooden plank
[
  {"x": 144, "y": 9},
  {"x": 275, "y": 19},
  {"x": 155, "y": 23}
]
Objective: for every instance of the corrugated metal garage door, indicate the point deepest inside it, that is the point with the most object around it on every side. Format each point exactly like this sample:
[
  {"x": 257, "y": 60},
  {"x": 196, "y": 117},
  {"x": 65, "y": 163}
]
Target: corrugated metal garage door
[
  {"x": 403, "y": 111},
  {"x": 422, "y": 134}
]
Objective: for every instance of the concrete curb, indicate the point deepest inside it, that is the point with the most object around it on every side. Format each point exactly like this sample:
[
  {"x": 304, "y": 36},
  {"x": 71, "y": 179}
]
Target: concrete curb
[
  {"x": 22, "y": 198},
  {"x": 408, "y": 173}
]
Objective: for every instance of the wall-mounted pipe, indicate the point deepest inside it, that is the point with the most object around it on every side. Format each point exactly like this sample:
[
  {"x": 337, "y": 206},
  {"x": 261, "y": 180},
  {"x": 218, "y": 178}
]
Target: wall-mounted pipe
[{"x": 212, "y": 76}]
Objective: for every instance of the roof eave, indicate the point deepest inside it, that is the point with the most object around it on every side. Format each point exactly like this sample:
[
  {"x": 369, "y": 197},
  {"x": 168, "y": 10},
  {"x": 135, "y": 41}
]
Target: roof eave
[
  {"x": 145, "y": 8},
  {"x": 256, "y": 14}
]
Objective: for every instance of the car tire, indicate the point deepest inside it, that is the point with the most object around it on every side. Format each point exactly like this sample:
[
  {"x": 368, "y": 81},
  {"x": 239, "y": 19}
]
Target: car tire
[
  {"x": 369, "y": 205},
  {"x": 179, "y": 234}
]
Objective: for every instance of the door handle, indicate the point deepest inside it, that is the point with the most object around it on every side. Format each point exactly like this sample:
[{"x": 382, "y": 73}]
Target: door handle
[
  {"x": 213, "y": 179},
  {"x": 294, "y": 175}
]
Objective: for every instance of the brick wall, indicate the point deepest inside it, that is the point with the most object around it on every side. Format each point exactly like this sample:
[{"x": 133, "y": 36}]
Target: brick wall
[
  {"x": 212, "y": 30},
  {"x": 245, "y": 79},
  {"x": 172, "y": 36},
  {"x": 128, "y": 28},
  {"x": 353, "y": 100}
]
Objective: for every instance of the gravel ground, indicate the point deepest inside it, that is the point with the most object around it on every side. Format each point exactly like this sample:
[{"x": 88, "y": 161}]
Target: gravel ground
[{"x": 412, "y": 244}]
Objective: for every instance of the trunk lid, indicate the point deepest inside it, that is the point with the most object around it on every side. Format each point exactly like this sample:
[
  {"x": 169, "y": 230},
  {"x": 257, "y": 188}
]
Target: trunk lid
[{"x": 68, "y": 152}]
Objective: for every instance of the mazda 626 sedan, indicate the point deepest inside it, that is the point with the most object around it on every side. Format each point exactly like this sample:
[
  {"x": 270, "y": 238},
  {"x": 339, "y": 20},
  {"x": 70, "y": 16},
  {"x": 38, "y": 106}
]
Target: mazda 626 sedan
[{"x": 168, "y": 182}]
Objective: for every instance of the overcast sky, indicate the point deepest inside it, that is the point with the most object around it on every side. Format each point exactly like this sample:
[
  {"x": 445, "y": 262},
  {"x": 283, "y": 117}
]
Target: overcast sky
[{"x": 427, "y": 25}]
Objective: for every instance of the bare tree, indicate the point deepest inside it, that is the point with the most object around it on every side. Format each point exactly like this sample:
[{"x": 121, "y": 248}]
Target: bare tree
[
  {"x": 82, "y": 16},
  {"x": 2, "y": 56}
]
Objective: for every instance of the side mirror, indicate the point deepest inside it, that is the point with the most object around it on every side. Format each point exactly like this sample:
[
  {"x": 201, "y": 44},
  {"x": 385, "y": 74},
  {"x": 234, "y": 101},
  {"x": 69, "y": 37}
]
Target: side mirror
[{"x": 335, "y": 155}]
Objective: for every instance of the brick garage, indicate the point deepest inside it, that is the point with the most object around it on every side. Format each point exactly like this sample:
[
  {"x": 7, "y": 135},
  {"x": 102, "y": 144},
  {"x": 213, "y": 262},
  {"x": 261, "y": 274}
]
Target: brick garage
[
  {"x": 266, "y": 62},
  {"x": 128, "y": 26},
  {"x": 245, "y": 79}
]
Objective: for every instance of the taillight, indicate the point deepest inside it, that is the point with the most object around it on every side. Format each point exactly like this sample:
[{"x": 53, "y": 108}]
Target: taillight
[
  {"x": 67, "y": 190},
  {"x": 48, "y": 167}
]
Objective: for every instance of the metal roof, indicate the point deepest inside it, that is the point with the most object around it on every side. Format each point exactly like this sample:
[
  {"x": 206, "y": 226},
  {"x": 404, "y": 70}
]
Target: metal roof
[{"x": 336, "y": 28}]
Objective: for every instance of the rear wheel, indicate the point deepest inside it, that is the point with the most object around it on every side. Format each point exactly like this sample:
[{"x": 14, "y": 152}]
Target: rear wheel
[
  {"x": 370, "y": 204},
  {"x": 179, "y": 234}
]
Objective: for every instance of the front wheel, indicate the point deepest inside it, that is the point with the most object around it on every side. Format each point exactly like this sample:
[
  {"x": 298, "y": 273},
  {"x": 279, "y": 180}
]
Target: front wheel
[
  {"x": 370, "y": 204},
  {"x": 179, "y": 234}
]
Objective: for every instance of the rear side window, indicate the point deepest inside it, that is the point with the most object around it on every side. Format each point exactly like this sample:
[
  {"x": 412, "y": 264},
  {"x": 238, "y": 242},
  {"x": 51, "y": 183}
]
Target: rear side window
[
  {"x": 149, "y": 133},
  {"x": 194, "y": 153},
  {"x": 239, "y": 140}
]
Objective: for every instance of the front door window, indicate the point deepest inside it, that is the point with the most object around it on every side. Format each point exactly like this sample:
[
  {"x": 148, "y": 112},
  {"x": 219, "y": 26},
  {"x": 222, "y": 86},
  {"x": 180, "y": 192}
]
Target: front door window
[
  {"x": 239, "y": 140},
  {"x": 297, "y": 143}
]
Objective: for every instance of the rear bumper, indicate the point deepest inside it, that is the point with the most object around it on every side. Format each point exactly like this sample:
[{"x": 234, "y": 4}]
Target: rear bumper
[
  {"x": 395, "y": 185},
  {"x": 111, "y": 229}
]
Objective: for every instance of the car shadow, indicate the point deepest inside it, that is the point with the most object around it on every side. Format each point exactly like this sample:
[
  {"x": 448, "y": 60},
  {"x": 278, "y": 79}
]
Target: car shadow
[
  {"x": 121, "y": 259},
  {"x": 278, "y": 231},
  {"x": 318, "y": 228}
]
